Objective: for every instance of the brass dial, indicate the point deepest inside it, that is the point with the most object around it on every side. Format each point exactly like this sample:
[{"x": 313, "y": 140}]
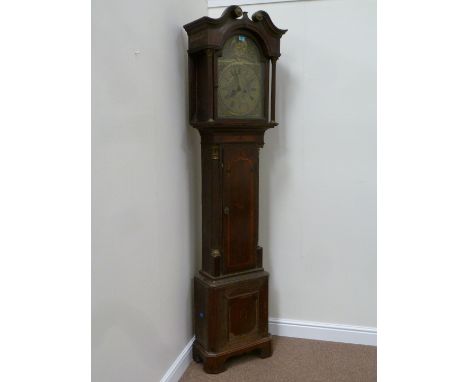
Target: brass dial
[
  {"x": 240, "y": 89},
  {"x": 241, "y": 79}
]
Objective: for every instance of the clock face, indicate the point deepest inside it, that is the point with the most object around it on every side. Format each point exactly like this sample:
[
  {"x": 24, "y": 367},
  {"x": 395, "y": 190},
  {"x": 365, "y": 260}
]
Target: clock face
[{"x": 241, "y": 80}]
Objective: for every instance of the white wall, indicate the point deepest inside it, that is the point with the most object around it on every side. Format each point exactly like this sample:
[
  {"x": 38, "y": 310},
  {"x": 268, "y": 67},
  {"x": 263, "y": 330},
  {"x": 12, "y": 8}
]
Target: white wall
[
  {"x": 145, "y": 188},
  {"x": 318, "y": 167}
]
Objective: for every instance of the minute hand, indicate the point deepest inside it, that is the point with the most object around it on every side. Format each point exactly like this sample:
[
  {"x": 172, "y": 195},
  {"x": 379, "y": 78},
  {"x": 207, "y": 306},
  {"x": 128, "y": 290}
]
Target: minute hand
[{"x": 237, "y": 81}]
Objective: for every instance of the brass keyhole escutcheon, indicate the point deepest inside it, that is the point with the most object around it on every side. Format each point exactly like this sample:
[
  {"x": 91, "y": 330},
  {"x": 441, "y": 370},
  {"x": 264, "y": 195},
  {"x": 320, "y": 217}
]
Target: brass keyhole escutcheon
[
  {"x": 226, "y": 210},
  {"x": 215, "y": 253}
]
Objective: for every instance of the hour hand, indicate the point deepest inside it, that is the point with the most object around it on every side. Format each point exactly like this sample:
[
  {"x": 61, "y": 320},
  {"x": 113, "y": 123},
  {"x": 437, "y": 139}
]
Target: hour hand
[{"x": 237, "y": 81}]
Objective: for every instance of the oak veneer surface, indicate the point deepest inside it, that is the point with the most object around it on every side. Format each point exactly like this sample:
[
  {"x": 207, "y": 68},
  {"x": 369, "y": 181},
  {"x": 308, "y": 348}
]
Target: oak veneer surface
[{"x": 296, "y": 359}]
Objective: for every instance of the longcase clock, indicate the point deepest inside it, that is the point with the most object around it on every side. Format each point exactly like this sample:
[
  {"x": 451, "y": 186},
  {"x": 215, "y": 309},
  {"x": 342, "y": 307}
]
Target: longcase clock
[{"x": 232, "y": 84}]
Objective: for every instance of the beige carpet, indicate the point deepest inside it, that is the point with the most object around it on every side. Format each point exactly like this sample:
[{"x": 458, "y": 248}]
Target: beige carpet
[{"x": 296, "y": 359}]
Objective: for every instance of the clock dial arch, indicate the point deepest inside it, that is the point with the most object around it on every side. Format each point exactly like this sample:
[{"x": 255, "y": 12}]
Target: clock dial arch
[{"x": 242, "y": 78}]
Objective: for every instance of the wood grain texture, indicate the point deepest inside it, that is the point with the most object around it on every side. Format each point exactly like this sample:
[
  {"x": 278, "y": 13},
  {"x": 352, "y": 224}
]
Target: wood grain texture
[{"x": 240, "y": 206}]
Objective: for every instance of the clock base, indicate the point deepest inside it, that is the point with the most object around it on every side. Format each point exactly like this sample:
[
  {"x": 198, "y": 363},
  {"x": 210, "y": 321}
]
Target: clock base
[
  {"x": 231, "y": 318},
  {"x": 215, "y": 363}
]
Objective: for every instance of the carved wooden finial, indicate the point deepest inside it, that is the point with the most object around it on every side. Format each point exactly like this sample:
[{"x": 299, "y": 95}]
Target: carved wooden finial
[
  {"x": 257, "y": 16},
  {"x": 237, "y": 11}
]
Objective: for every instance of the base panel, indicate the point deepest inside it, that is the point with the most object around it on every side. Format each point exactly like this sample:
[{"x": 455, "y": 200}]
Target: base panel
[{"x": 214, "y": 363}]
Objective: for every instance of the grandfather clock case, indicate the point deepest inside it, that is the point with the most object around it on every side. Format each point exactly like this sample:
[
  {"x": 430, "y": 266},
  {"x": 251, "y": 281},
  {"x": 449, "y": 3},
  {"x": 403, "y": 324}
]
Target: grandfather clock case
[{"x": 232, "y": 85}]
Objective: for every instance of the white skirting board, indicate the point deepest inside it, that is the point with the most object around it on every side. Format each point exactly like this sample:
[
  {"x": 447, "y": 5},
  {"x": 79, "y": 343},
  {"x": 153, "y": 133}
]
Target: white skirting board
[
  {"x": 350, "y": 334},
  {"x": 182, "y": 362},
  {"x": 289, "y": 328}
]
